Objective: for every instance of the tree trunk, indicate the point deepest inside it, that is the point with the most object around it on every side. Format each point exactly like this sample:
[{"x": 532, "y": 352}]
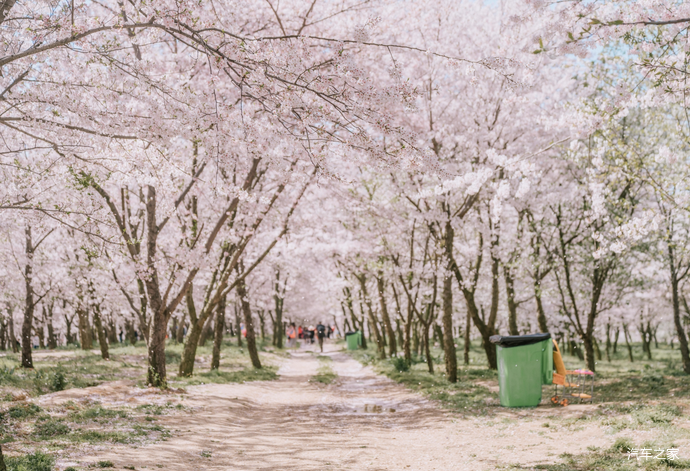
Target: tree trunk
[
  {"x": 392, "y": 347},
  {"x": 111, "y": 331},
  {"x": 84, "y": 329},
  {"x": 157, "y": 374},
  {"x": 279, "y": 300},
  {"x": 3, "y": 334},
  {"x": 447, "y": 299},
  {"x": 512, "y": 307},
  {"x": 179, "y": 335},
  {"x": 372, "y": 320},
  {"x": 262, "y": 323},
  {"x": 39, "y": 331},
  {"x": 2, "y": 461},
  {"x": 649, "y": 342},
  {"x": 193, "y": 336},
  {"x": 347, "y": 326},
  {"x": 541, "y": 315},
  {"x": 207, "y": 331},
  {"x": 362, "y": 327},
  {"x": 615, "y": 340},
  {"x": 646, "y": 335},
  {"x": 626, "y": 334},
  {"x": 218, "y": 334},
  {"x": 447, "y": 320},
  {"x": 174, "y": 329},
  {"x": 608, "y": 342},
  {"x": 680, "y": 331},
  {"x": 466, "y": 347},
  {"x": 238, "y": 325},
  {"x": 408, "y": 334},
  {"x": 274, "y": 328},
  {"x": 129, "y": 328},
  {"x": 427, "y": 349},
  {"x": 13, "y": 338},
  {"x": 27, "y": 361},
  {"x": 101, "y": 333},
  {"x": 68, "y": 329},
  {"x": 249, "y": 324}
]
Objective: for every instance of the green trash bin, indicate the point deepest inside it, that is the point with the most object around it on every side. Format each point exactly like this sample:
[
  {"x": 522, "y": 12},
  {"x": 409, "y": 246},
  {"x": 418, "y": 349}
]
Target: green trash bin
[
  {"x": 354, "y": 340},
  {"x": 525, "y": 362}
]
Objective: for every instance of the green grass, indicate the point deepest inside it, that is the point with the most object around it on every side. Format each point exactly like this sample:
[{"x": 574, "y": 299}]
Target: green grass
[
  {"x": 96, "y": 413},
  {"x": 32, "y": 462},
  {"x": 50, "y": 428},
  {"x": 643, "y": 396},
  {"x": 617, "y": 458},
  {"x": 466, "y": 396},
  {"x": 324, "y": 374},
  {"x": 73, "y": 425},
  {"x": 660, "y": 379},
  {"x": 74, "y": 369},
  {"x": 21, "y": 411},
  {"x": 80, "y": 369},
  {"x": 103, "y": 464}
]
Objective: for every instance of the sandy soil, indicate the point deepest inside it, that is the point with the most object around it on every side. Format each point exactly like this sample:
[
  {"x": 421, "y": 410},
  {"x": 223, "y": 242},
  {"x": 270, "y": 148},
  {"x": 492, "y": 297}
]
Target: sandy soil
[{"x": 361, "y": 422}]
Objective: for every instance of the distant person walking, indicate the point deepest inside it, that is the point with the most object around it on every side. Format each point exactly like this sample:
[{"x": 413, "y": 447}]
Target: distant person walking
[
  {"x": 291, "y": 335},
  {"x": 320, "y": 334}
]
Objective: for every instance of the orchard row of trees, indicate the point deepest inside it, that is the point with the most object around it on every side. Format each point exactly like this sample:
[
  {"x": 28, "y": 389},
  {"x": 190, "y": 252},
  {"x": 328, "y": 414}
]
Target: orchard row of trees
[{"x": 409, "y": 170}]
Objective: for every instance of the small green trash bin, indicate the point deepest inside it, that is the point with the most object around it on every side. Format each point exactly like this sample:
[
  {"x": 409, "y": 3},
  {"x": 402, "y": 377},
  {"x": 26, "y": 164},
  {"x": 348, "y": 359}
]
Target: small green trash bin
[
  {"x": 525, "y": 362},
  {"x": 354, "y": 340}
]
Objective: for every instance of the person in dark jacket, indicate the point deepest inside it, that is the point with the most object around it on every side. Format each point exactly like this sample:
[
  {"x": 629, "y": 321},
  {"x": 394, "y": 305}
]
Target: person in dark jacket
[{"x": 320, "y": 334}]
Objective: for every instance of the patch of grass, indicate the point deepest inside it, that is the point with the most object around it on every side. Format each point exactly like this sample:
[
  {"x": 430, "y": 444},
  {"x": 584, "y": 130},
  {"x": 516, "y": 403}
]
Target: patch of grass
[
  {"x": 50, "y": 428},
  {"x": 144, "y": 430},
  {"x": 32, "y": 462},
  {"x": 95, "y": 436},
  {"x": 99, "y": 412},
  {"x": 400, "y": 364},
  {"x": 73, "y": 369},
  {"x": 465, "y": 396},
  {"x": 103, "y": 464},
  {"x": 637, "y": 416},
  {"x": 324, "y": 374},
  {"x": 22, "y": 411},
  {"x": 618, "y": 458},
  {"x": 152, "y": 409},
  {"x": 58, "y": 382}
]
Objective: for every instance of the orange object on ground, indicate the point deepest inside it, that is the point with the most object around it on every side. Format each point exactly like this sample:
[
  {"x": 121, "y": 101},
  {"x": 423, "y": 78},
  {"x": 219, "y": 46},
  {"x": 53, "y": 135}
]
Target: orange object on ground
[{"x": 572, "y": 390}]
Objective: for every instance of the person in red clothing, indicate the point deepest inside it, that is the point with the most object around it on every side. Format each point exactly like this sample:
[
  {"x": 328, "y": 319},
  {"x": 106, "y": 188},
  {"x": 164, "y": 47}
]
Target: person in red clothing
[
  {"x": 300, "y": 332},
  {"x": 291, "y": 335}
]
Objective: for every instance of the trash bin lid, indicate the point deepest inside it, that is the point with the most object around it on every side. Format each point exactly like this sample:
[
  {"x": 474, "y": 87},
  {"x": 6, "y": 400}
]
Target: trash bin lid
[
  {"x": 349, "y": 333},
  {"x": 518, "y": 340}
]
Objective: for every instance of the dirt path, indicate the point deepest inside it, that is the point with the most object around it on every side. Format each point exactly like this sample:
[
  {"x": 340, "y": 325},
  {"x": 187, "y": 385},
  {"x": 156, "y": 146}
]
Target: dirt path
[{"x": 361, "y": 422}]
